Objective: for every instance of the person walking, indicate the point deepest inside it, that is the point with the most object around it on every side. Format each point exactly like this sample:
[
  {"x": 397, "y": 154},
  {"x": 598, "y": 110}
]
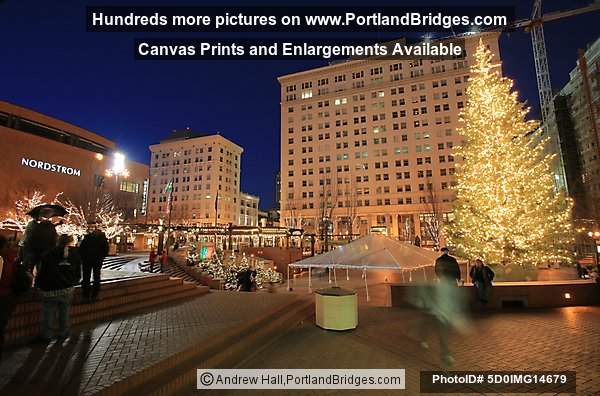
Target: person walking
[
  {"x": 59, "y": 273},
  {"x": 93, "y": 251},
  {"x": 443, "y": 305},
  {"x": 8, "y": 256},
  {"x": 482, "y": 277}
]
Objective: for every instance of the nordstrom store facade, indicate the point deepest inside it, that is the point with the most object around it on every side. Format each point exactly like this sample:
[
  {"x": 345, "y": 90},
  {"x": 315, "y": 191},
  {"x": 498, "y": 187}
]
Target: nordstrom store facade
[{"x": 41, "y": 153}]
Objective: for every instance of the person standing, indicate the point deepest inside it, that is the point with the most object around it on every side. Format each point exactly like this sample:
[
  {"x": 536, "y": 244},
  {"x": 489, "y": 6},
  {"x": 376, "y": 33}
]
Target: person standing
[
  {"x": 36, "y": 240},
  {"x": 153, "y": 259},
  {"x": 446, "y": 267},
  {"x": 164, "y": 260},
  {"x": 482, "y": 277},
  {"x": 93, "y": 250},
  {"x": 59, "y": 273},
  {"x": 244, "y": 280},
  {"x": 8, "y": 255}
]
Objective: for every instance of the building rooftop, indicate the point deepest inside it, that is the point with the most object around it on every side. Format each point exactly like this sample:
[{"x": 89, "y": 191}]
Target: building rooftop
[
  {"x": 184, "y": 134},
  {"x": 31, "y": 121},
  {"x": 356, "y": 60},
  {"x": 180, "y": 135}
]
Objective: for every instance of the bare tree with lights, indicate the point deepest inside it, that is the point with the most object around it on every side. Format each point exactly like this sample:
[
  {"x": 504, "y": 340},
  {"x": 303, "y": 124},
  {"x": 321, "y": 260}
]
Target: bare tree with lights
[
  {"x": 506, "y": 208},
  {"x": 434, "y": 220},
  {"x": 17, "y": 220}
]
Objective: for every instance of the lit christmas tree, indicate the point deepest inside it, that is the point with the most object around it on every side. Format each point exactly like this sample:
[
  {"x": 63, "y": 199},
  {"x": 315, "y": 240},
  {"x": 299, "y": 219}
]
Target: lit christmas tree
[{"x": 506, "y": 208}]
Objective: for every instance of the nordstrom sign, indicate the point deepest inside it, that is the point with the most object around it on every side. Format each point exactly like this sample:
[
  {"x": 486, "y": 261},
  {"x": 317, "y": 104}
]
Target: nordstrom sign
[{"x": 50, "y": 167}]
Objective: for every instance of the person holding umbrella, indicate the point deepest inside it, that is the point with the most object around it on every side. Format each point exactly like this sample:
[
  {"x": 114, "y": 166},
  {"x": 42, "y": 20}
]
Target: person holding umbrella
[{"x": 35, "y": 241}]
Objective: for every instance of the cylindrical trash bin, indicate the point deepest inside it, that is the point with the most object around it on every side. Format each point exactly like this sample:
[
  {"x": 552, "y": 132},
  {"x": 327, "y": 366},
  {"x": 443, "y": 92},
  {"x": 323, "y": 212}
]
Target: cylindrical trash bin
[{"x": 336, "y": 308}]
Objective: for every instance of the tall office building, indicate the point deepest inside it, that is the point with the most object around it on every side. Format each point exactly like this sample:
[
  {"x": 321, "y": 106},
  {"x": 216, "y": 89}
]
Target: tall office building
[
  {"x": 204, "y": 170},
  {"x": 366, "y": 145},
  {"x": 578, "y": 122}
]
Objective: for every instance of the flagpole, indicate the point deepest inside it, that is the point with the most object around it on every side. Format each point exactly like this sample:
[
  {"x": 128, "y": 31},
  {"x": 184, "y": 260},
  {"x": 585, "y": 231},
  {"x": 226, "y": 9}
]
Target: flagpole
[
  {"x": 169, "y": 220},
  {"x": 216, "y": 217},
  {"x": 168, "y": 188}
]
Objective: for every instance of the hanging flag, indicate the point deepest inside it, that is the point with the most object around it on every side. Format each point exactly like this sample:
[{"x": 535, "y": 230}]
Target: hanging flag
[{"x": 169, "y": 187}]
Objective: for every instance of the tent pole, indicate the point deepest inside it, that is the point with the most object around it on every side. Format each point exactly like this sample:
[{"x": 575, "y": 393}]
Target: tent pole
[
  {"x": 334, "y": 276},
  {"x": 309, "y": 280},
  {"x": 288, "y": 274},
  {"x": 410, "y": 276},
  {"x": 366, "y": 285},
  {"x": 347, "y": 275},
  {"x": 425, "y": 274},
  {"x": 403, "y": 279},
  {"x": 468, "y": 274},
  {"x": 329, "y": 274}
]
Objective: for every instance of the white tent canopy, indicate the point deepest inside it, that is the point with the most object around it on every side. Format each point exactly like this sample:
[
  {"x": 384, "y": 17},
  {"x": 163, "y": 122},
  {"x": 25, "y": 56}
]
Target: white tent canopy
[{"x": 372, "y": 252}]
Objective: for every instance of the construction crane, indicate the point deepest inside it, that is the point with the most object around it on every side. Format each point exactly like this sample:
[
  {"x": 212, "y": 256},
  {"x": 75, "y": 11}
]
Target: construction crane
[{"x": 535, "y": 26}]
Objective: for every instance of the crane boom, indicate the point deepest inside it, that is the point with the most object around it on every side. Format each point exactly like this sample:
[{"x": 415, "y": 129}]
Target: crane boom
[
  {"x": 552, "y": 16},
  {"x": 540, "y": 57}
]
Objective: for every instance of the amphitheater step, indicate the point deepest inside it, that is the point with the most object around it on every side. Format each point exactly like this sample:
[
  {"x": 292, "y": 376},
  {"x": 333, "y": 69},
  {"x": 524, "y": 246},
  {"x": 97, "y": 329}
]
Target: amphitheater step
[
  {"x": 177, "y": 375},
  {"x": 117, "y": 297}
]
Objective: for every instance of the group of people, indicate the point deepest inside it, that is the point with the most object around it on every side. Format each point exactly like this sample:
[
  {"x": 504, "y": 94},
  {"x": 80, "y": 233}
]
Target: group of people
[
  {"x": 53, "y": 264},
  {"x": 246, "y": 280},
  {"x": 154, "y": 259}
]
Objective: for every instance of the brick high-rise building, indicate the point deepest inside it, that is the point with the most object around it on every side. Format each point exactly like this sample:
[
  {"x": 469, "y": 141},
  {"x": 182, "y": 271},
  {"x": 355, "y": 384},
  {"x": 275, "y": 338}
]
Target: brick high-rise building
[
  {"x": 578, "y": 122},
  {"x": 369, "y": 143},
  {"x": 200, "y": 167}
]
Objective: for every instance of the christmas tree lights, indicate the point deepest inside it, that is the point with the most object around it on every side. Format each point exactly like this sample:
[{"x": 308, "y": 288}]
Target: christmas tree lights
[{"x": 506, "y": 208}]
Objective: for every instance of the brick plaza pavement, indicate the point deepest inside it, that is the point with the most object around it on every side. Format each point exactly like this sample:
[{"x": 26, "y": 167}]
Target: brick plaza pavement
[
  {"x": 100, "y": 355},
  {"x": 97, "y": 356},
  {"x": 557, "y": 339}
]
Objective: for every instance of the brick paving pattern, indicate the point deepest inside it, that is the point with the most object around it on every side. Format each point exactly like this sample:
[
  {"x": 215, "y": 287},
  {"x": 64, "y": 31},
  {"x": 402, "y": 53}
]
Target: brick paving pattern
[
  {"x": 558, "y": 339},
  {"x": 101, "y": 355},
  {"x": 96, "y": 357}
]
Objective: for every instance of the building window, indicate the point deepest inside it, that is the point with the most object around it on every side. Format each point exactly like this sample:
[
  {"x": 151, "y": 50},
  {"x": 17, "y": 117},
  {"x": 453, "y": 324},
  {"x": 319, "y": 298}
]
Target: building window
[{"x": 129, "y": 187}]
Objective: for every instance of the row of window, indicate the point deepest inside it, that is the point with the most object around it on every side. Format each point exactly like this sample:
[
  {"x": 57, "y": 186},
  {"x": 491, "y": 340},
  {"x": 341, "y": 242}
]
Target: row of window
[
  {"x": 377, "y": 71},
  {"x": 366, "y": 190},
  {"x": 376, "y": 141},
  {"x": 308, "y": 93},
  {"x": 376, "y": 153},
  {"x": 426, "y": 173},
  {"x": 380, "y": 128},
  {"x": 378, "y": 202}
]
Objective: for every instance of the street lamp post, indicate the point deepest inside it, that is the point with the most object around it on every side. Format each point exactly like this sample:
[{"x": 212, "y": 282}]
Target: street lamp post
[{"x": 117, "y": 169}]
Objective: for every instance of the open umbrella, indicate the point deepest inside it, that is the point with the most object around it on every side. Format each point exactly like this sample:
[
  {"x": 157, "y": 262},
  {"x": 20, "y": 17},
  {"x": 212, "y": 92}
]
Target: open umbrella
[{"x": 47, "y": 211}]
